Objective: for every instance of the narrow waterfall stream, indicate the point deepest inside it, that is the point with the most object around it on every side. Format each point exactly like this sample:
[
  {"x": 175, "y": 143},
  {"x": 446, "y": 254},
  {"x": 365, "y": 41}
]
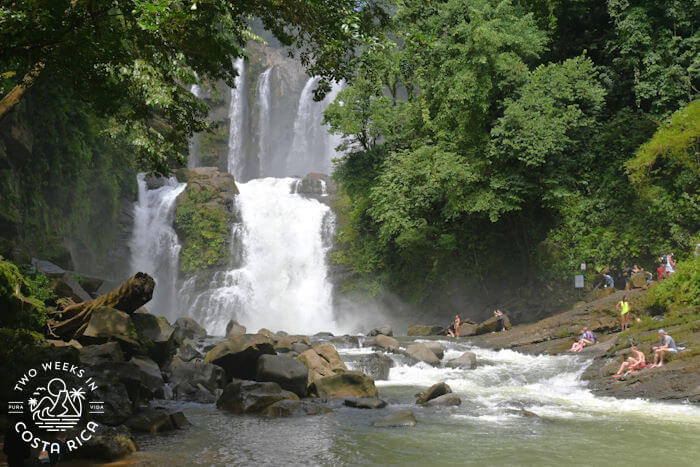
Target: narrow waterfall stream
[
  {"x": 155, "y": 248},
  {"x": 236, "y": 161},
  {"x": 263, "y": 91}
]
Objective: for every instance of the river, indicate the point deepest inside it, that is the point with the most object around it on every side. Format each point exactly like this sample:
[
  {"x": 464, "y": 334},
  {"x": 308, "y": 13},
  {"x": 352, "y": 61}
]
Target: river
[{"x": 574, "y": 426}]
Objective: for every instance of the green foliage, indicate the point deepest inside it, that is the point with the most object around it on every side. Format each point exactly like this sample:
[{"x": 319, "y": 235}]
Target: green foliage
[
  {"x": 19, "y": 302},
  {"x": 203, "y": 231},
  {"x": 131, "y": 60},
  {"x": 21, "y": 350},
  {"x": 681, "y": 290}
]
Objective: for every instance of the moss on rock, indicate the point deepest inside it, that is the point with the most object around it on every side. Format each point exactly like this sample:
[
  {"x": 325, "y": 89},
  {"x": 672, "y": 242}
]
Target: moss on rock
[{"x": 18, "y": 304}]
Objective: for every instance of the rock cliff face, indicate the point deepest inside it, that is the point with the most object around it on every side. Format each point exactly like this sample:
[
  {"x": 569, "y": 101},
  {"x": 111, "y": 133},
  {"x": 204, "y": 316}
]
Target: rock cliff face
[{"x": 204, "y": 213}]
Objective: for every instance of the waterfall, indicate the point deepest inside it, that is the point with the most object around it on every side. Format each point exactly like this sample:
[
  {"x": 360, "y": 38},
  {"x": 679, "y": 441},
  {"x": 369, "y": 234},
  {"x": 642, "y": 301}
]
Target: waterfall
[
  {"x": 193, "y": 154},
  {"x": 312, "y": 146},
  {"x": 154, "y": 245},
  {"x": 282, "y": 284},
  {"x": 264, "y": 120},
  {"x": 236, "y": 158}
]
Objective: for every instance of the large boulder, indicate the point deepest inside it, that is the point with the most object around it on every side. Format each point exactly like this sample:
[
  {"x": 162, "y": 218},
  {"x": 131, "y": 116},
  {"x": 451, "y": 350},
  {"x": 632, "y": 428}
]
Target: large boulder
[
  {"x": 467, "y": 329},
  {"x": 238, "y": 356},
  {"x": 404, "y": 418},
  {"x": 421, "y": 353},
  {"x": 466, "y": 361},
  {"x": 446, "y": 400},
  {"x": 381, "y": 330},
  {"x": 188, "y": 351},
  {"x": 115, "y": 401},
  {"x": 106, "y": 444},
  {"x": 195, "y": 380},
  {"x": 105, "y": 323},
  {"x": 154, "y": 333},
  {"x": 420, "y": 330},
  {"x": 434, "y": 391},
  {"x": 94, "y": 354},
  {"x": 639, "y": 280},
  {"x": 234, "y": 329},
  {"x": 318, "y": 367},
  {"x": 288, "y": 372},
  {"x": 242, "y": 396},
  {"x": 349, "y": 383},
  {"x": 186, "y": 328},
  {"x": 150, "y": 374},
  {"x": 364, "y": 403},
  {"x": 286, "y": 343},
  {"x": 376, "y": 366},
  {"x": 328, "y": 353},
  {"x": 383, "y": 342},
  {"x": 436, "y": 348},
  {"x": 68, "y": 287},
  {"x": 492, "y": 325},
  {"x": 292, "y": 408}
]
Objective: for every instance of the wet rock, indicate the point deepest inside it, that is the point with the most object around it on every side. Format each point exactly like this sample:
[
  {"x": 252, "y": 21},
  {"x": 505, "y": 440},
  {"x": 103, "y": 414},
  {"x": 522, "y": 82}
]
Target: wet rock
[
  {"x": 288, "y": 372},
  {"x": 466, "y": 361},
  {"x": 522, "y": 413},
  {"x": 328, "y": 353},
  {"x": 467, "y": 329},
  {"x": 446, "y": 400},
  {"x": 186, "y": 328},
  {"x": 421, "y": 353},
  {"x": 323, "y": 334},
  {"x": 242, "y": 396},
  {"x": 285, "y": 342},
  {"x": 318, "y": 367},
  {"x": 404, "y": 418},
  {"x": 349, "y": 383},
  {"x": 436, "y": 348},
  {"x": 492, "y": 325},
  {"x": 234, "y": 329},
  {"x": 365, "y": 403},
  {"x": 107, "y": 444},
  {"x": 154, "y": 421},
  {"x": 117, "y": 404},
  {"x": 188, "y": 350},
  {"x": 292, "y": 408},
  {"x": 105, "y": 323},
  {"x": 434, "y": 391},
  {"x": 154, "y": 333},
  {"x": 150, "y": 374},
  {"x": 95, "y": 354},
  {"x": 420, "y": 330},
  {"x": 267, "y": 333},
  {"x": 238, "y": 356},
  {"x": 300, "y": 347},
  {"x": 383, "y": 330},
  {"x": 347, "y": 341},
  {"x": 376, "y": 366}
]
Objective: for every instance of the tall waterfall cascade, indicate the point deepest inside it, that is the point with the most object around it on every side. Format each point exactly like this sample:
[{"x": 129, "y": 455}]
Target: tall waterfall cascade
[
  {"x": 263, "y": 91},
  {"x": 283, "y": 283},
  {"x": 155, "y": 248},
  {"x": 193, "y": 156},
  {"x": 236, "y": 161}
]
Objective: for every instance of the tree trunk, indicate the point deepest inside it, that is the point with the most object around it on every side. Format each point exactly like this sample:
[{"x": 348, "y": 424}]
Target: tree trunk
[
  {"x": 13, "y": 97},
  {"x": 131, "y": 295}
]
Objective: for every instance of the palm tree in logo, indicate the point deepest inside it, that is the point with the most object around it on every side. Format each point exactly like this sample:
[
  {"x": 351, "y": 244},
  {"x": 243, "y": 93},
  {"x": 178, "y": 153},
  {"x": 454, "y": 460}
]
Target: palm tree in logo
[{"x": 77, "y": 396}]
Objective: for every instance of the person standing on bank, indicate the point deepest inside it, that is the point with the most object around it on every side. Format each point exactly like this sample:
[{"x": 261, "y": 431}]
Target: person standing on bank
[
  {"x": 501, "y": 321},
  {"x": 623, "y": 306}
]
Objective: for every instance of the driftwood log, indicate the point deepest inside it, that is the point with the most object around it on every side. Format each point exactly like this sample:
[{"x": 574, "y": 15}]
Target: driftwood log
[{"x": 71, "y": 322}]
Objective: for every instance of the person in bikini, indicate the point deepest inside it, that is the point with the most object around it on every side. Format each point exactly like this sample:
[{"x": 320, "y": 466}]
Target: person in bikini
[
  {"x": 453, "y": 330},
  {"x": 623, "y": 307},
  {"x": 636, "y": 361}
]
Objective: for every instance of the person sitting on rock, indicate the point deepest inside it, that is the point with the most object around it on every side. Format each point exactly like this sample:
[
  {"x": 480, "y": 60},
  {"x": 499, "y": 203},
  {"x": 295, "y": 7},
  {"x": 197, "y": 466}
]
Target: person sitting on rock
[
  {"x": 453, "y": 330},
  {"x": 668, "y": 345},
  {"x": 587, "y": 338},
  {"x": 636, "y": 361}
]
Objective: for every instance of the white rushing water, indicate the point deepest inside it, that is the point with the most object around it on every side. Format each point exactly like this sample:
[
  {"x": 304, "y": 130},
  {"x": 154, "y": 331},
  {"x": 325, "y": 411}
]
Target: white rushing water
[
  {"x": 282, "y": 283},
  {"x": 313, "y": 147},
  {"x": 263, "y": 91},
  {"x": 236, "y": 159},
  {"x": 155, "y": 248}
]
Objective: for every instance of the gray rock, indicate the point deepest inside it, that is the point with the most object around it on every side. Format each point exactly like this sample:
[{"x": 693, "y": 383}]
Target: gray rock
[
  {"x": 151, "y": 376},
  {"x": 421, "y": 353},
  {"x": 466, "y": 361},
  {"x": 420, "y": 330},
  {"x": 234, "y": 329},
  {"x": 186, "y": 328},
  {"x": 156, "y": 421},
  {"x": 107, "y": 322},
  {"x": 446, "y": 400},
  {"x": 188, "y": 350},
  {"x": 323, "y": 334},
  {"x": 288, "y": 372},
  {"x": 238, "y": 356},
  {"x": 491, "y": 325},
  {"x": 242, "y": 396},
  {"x": 383, "y": 330},
  {"x": 365, "y": 403},
  {"x": 404, "y": 418},
  {"x": 434, "y": 391},
  {"x": 376, "y": 366},
  {"x": 349, "y": 383},
  {"x": 107, "y": 444},
  {"x": 95, "y": 354},
  {"x": 383, "y": 342},
  {"x": 154, "y": 333},
  {"x": 117, "y": 404},
  {"x": 436, "y": 348},
  {"x": 292, "y": 408},
  {"x": 300, "y": 347},
  {"x": 195, "y": 380}
]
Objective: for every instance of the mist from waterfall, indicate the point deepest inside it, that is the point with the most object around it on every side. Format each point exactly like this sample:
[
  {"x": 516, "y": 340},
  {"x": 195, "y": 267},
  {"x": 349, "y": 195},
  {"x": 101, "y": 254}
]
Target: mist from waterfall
[
  {"x": 263, "y": 91},
  {"x": 283, "y": 283},
  {"x": 155, "y": 248},
  {"x": 236, "y": 159}
]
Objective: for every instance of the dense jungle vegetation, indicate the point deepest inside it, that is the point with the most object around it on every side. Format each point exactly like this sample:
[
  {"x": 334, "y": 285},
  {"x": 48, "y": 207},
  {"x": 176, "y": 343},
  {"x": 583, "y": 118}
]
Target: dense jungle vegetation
[{"x": 494, "y": 143}]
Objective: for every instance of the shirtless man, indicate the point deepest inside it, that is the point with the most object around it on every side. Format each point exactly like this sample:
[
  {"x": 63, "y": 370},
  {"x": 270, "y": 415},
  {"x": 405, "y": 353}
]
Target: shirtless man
[{"x": 636, "y": 361}]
